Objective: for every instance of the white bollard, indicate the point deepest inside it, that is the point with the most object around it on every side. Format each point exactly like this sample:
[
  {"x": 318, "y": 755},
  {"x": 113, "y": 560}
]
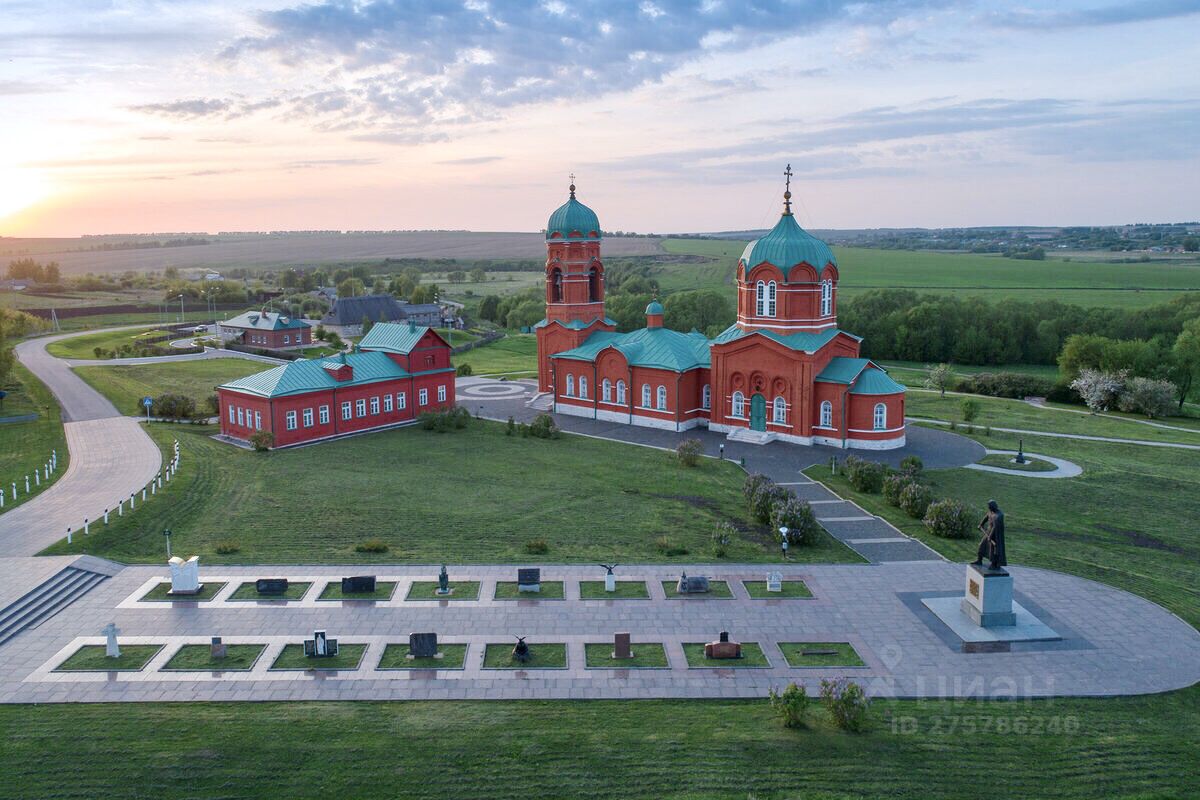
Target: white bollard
[
  {"x": 37, "y": 477},
  {"x": 68, "y": 535},
  {"x": 47, "y": 469},
  {"x": 131, "y": 502},
  {"x": 143, "y": 494},
  {"x": 14, "y": 490},
  {"x": 54, "y": 458},
  {"x": 86, "y": 530},
  {"x": 160, "y": 481},
  {"x": 106, "y": 516},
  {"x": 121, "y": 507},
  {"x": 153, "y": 488},
  {"x": 1, "y": 498},
  {"x": 26, "y": 484}
]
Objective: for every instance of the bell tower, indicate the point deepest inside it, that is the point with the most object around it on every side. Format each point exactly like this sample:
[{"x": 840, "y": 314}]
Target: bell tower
[{"x": 574, "y": 283}]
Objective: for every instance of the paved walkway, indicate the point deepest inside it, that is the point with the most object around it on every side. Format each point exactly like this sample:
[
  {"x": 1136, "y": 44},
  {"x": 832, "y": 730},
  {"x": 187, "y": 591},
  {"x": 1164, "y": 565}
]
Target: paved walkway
[
  {"x": 1112, "y": 642},
  {"x": 871, "y": 537},
  {"x": 1063, "y": 468}
]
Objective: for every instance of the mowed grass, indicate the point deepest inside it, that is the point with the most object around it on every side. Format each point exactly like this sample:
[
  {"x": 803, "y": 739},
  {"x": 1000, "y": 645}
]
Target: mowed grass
[
  {"x": 471, "y": 496},
  {"x": 94, "y": 658},
  {"x": 395, "y": 656},
  {"x": 126, "y": 385},
  {"x": 1081, "y": 282},
  {"x": 83, "y": 346},
  {"x": 27, "y": 446},
  {"x": 514, "y": 356},
  {"x": 752, "y": 657},
  {"x": 198, "y": 658},
  {"x": 1126, "y": 521},
  {"x": 820, "y": 654},
  {"x": 646, "y": 655},
  {"x": 1077, "y": 749}
]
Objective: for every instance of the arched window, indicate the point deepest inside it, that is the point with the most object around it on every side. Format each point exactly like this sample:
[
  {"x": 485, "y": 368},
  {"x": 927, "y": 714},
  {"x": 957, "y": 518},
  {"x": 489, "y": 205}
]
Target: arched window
[
  {"x": 826, "y": 298},
  {"x": 593, "y": 285},
  {"x": 779, "y": 412},
  {"x": 771, "y": 299},
  {"x": 706, "y": 397},
  {"x": 880, "y": 416},
  {"x": 606, "y": 390},
  {"x": 739, "y": 404},
  {"x": 570, "y": 386},
  {"x": 556, "y": 288},
  {"x": 583, "y": 387},
  {"x": 621, "y": 392},
  {"x": 645, "y": 395},
  {"x": 826, "y": 414},
  {"x": 662, "y": 398},
  {"x": 760, "y": 302}
]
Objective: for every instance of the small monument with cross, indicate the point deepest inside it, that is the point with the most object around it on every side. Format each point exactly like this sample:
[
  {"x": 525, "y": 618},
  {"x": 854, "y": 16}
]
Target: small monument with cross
[{"x": 111, "y": 648}]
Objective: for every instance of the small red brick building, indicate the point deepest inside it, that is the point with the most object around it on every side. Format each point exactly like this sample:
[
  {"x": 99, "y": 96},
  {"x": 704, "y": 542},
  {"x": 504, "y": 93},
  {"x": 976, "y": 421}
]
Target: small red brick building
[
  {"x": 398, "y": 372},
  {"x": 266, "y": 329},
  {"x": 783, "y": 370}
]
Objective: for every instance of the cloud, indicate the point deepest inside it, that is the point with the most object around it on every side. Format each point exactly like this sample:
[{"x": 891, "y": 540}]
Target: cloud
[
  {"x": 470, "y": 161},
  {"x": 331, "y": 162},
  {"x": 25, "y": 87},
  {"x": 187, "y": 109},
  {"x": 401, "y": 137},
  {"x": 1119, "y": 14}
]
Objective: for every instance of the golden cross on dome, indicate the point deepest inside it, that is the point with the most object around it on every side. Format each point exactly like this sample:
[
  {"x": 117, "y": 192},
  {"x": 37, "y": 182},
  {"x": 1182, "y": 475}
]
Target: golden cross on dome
[
  {"x": 572, "y": 185},
  {"x": 787, "y": 192}
]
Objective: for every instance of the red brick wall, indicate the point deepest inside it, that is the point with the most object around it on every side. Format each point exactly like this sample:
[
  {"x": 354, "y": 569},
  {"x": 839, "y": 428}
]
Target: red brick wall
[
  {"x": 274, "y": 339},
  {"x": 862, "y": 415}
]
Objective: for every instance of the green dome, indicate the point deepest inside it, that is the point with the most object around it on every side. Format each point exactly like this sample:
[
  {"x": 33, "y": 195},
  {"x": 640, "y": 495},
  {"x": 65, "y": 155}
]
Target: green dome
[
  {"x": 788, "y": 245},
  {"x": 655, "y": 307},
  {"x": 573, "y": 216}
]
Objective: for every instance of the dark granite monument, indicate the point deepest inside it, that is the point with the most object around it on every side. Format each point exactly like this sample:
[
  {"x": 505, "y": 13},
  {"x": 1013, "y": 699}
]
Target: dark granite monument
[
  {"x": 443, "y": 582},
  {"x": 695, "y": 585},
  {"x": 529, "y": 579},
  {"x": 217, "y": 649},
  {"x": 723, "y": 648},
  {"x": 423, "y": 645},
  {"x": 320, "y": 646},
  {"x": 621, "y": 646},
  {"x": 271, "y": 586},
  {"x": 359, "y": 584}
]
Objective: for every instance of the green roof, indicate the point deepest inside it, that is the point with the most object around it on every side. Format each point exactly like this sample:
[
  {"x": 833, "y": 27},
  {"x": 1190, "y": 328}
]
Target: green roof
[
  {"x": 805, "y": 341},
  {"x": 573, "y": 217},
  {"x": 393, "y": 337},
  {"x": 661, "y": 348},
  {"x": 786, "y": 245},
  {"x": 578, "y": 325},
  {"x": 264, "y": 321},
  {"x": 655, "y": 307},
  {"x": 310, "y": 375},
  {"x": 841, "y": 369},
  {"x": 875, "y": 381}
]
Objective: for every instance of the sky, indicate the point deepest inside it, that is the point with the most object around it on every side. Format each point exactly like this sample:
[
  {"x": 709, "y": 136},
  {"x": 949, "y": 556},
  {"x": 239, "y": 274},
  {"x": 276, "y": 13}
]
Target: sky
[{"x": 674, "y": 116}]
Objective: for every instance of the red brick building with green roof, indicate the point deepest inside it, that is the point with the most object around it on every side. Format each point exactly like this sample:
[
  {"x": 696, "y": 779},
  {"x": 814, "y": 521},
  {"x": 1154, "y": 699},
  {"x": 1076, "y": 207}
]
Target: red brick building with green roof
[
  {"x": 782, "y": 371},
  {"x": 397, "y": 372}
]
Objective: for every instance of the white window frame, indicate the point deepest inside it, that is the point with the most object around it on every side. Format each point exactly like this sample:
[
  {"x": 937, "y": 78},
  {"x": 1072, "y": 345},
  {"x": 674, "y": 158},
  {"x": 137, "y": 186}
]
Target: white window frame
[
  {"x": 232, "y": 414},
  {"x": 760, "y": 298},
  {"x": 308, "y": 417},
  {"x": 706, "y": 397},
  {"x": 442, "y": 393},
  {"x": 606, "y": 390},
  {"x": 583, "y": 386},
  {"x": 241, "y": 422},
  {"x": 660, "y": 398},
  {"x": 347, "y": 410},
  {"x": 771, "y": 299},
  {"x": 290, "y": 420},
  {"x": 401, "y": 400},
  {"x": 388, "y": 403},
  {"x": 621, "y": 392},
  {"x": 880, "y": 416},
  {"x": 360, "y": 407},
  {"x": 323, "y": 415},
  {"x": 739, "y": 406},
  {"x": 258, "y": 420},
  {"x": 779, "y": 411},
  {"x": 374, "y": 405},
  {"x": 826, "y": 414},
  {"x": 826, "y": 298},
  {"x": 423, "y": 397},
  {"x": 570, "y": 386},
  {"x": 287, "y": 339},
  {"x": 646, "y": 392}
]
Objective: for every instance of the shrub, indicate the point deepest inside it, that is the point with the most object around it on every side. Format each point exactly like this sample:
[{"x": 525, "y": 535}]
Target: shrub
[
  {"x": 797, "y": 516},
  {"x": 915, "y": 499},
  {"x": 865, "y": 476},
  {"x": 226, "y": 548},
  {"x": 912, "y": 465},
  {"x": 847, "y": 703},
  {"x": 688, "y": 452},
  {"x": 462, "y": 370},
  {"x": 98, "y": 352},
  {"x": 722, "y": 537},
  {"x": 969, "y": 409},
  {"x": 790, "y": 705},
  {"x": 949, "y": 519},
  {"x": 543, "y": 427},
  {"x": 454, "y": 418},
  {"x": 893, "y": 485},
  {"x": 1149, "y": 397},
  {"x": 537, "y": 546},
  {"x": 372, "y": 546},
  {"x": 763, "y": 504},
  {"x": 173, "y": 406},
  {"x": 1099, "y": 390},
  {"x": 1006, "y": 384},
  {"x": 751, "y": 485},
  {"x": 510, "y": 427},
  {"x": 665, "y": 546},
  {"x": 262, "y": 440}
]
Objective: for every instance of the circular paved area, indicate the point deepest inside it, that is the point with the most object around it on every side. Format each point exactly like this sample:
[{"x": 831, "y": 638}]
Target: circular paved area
[
  {"x": 1113, "y": 642},
  {"x": 1065, "y": 469}
]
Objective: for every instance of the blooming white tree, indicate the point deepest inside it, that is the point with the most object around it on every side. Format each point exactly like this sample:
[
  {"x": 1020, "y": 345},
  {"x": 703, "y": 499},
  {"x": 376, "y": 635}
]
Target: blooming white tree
[
  {"x": 1099, "y": 390},
  {"x": 1149, "y": 397}
]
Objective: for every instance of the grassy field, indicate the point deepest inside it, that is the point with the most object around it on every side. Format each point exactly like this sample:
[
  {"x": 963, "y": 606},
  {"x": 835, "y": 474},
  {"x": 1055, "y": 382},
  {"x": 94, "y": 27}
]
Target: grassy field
[
  {"x": 198, "y": 657},
  {"x": 126, "y": 385},
  {"x": 515, "y": 356},
  {"x": 1081, "y": 282},
  {"x": 752, "y": 656},
  {"x": 541, "y": 656},
  {"x": 395, "y": 656},
  {"x": 26, "y": 446},
  {"x": 808, "y": 654},
  {"x": 437, "y": 498},
  {"x": 646, "y": 655},
  {"x": 1139, "y": 747},
  {"x": 94, "y": 658},
  {"x": 83, "y": 346}
]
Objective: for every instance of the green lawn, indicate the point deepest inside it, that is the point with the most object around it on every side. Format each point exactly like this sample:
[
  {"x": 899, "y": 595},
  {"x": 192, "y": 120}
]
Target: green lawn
[
  {"x": 1006, "y": 461},
  {"x": 126, "y": 385},
  {"x": 594, "y": 590},
  {"x": 333, "y": 591},
  {"x": 515, "y": 356},
  {"x": 395, "y": 656},
  {"x": 752, "y": 656},
  {"x": 550, "y": 590},
  {"x": 820, "y": 654},
  {"x": 415, "y": 501},
  {"x": 758, "y": 590},
  {"x": 162, "y": 593},
  {"x": 246, "y": 591},
  {"x": 84, "y": 345},
  {"x": 292, "y": 657},
  {"x": 459, "y": 590},
  {"x": 646, "y": 655},
  {"x": 716, "y": 589},
  {"x": 1075, "y": 749},
  {"x": 92, "y": 658},
  {"x": 198, "y": 658},
  {"x": 541, "y": 656},
  {"x": 26, "y": 446}
]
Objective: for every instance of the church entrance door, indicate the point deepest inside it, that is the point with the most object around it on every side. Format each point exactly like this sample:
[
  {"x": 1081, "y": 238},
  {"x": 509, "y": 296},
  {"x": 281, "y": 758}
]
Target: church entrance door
[{"x": 758, "y": 413}]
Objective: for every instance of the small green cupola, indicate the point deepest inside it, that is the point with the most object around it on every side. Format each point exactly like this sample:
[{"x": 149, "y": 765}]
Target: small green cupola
[
  {"x": 573, "y": 220},
  {"x": 654, "y": 314},
  {"x": 787, "y": 244}
]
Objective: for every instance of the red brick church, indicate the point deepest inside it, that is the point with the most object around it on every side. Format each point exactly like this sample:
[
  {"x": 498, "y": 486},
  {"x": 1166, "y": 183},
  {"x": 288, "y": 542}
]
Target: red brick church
[{"x": 782, "y": 371}]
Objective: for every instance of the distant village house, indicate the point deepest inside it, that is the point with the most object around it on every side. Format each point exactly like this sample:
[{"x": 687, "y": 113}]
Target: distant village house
[
  {"x": 267, "y": 329},
  {"x": 347, "y": 315}
]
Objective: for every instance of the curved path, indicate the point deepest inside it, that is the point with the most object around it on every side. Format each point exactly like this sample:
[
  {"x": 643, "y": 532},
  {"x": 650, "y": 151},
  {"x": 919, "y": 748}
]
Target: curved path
[
  {"x": 1064, "y": 468},
  {"x": 111, "y": 457}
]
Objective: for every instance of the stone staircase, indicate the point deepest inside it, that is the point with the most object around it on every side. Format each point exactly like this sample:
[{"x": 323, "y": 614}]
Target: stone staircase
[
  {"x": 46, "y": 600},
  {"x": 542, "y": 401},
  {"x": 750, "y": 437}
]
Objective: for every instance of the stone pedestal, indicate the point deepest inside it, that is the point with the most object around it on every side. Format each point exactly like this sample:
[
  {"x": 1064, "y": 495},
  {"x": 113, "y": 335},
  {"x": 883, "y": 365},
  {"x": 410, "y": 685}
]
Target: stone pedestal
[
  {"x": 185, "y": 575},
  {"x": 610, "y": 582},
  {"x": 988, "y": 600}
]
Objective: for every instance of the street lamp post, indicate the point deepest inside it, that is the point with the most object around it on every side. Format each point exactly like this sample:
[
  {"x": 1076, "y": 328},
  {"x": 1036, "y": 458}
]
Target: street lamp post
[
  {"x": 167, "y": 534},
  {"x": 783, "y": 541}
]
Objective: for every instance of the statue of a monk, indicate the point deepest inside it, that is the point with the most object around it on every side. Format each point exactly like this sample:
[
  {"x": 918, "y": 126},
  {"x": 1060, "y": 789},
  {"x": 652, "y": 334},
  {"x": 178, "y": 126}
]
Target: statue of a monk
[{"x": 992, "y": 543}]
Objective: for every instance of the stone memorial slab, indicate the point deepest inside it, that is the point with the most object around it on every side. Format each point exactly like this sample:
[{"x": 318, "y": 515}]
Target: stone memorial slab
[
  {"x": 988, "y": 599},
  {"x": 621, "y": 646},
  {"x": 271, "y": 586},
  {"x": 217, "y": 648},
  {"x": 111, "y": 648},
  {"x": 691, "y": 585},
  {"x": 529, "y": 579},
  {"x": 320, "y": 646},
  {"x": 185, "y": 575},
  {"x": 723, "y": 648},
  {"x": 358, "y": 584},
  {"x": 775, "y": 582},
  {"x": 423, "y": 645}
]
